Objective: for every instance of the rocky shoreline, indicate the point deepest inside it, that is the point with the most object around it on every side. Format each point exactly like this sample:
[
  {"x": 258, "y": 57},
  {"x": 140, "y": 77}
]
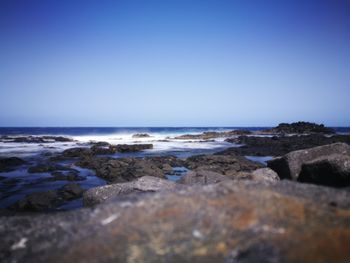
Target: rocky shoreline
[{"x": 223, "y": 208}]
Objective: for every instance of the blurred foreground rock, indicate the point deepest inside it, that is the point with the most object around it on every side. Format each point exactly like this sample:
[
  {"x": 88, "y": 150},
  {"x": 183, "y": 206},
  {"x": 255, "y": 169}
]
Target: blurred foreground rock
[{"x": 232, "y": 221}]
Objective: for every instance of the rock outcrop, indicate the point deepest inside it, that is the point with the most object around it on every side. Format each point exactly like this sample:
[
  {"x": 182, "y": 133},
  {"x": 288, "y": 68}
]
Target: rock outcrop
[
  {"x": 10, "y": 163},
  {"x": 300, "y": 127},
  {"x": 228, "y": 165},
  {"x": 145, "y": 184},
  {"x": 332, "y": 170},
  {"x": 289, "y": 166},
  {"x": 232, "y": 221}
]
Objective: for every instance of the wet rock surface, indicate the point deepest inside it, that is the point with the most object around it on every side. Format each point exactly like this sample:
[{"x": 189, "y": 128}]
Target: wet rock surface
[
  {"x": 141, "y": 135},
  {"x": 34, "y": 139},
  {"x": 48, "y": 200},
  {"x": 300, "y": 127},
  {"x": 232, "y": 221},
  {"x": 280, "y": 145},
  {"x": 122, "y": 169},
  {"x": 289, "y": 166},
  {"x": 10, "y": 163},
  {"x": 228, "y": 165},
  {"x": 145, "y": 184},
  {"x": 212, "y": 135}
]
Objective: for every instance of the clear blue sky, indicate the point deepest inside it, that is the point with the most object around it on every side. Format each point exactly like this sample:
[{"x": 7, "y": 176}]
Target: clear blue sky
[{"x": 174, "y": 63}]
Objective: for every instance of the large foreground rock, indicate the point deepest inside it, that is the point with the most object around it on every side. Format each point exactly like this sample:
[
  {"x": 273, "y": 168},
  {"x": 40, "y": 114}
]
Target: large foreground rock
[
  {"x": 333, "y": 170},
  {"x": 289, "y": 166},
  {"x": 144, "y": 184},
  {"x": 238, "y": 221}
]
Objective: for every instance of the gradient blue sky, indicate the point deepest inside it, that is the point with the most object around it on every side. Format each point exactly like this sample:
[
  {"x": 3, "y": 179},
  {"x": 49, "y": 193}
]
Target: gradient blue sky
[{"x": 174, "y": 63}]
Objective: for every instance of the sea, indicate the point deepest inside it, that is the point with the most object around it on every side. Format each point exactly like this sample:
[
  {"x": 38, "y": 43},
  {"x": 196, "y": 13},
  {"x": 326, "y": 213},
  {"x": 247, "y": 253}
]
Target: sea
[{"x": 17, "y": 184}]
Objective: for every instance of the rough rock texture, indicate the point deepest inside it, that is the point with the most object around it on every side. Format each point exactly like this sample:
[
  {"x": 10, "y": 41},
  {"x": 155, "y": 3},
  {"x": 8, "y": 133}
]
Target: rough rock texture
[
  {"x": 212, "y": 135},
  {"x": 141, "y": 135},
  {"x": 280, "y": 145},
  {"x": 332, "y": 170},
  {"x": 289, "y": 166},
  {"x": 47, "y": 201},
  {"x": 264, "y": 174},
  {"x": 301, "y": 127},
  {"x": 122, "y": 169},
  {"x": 76, "y": 152},
  {"x": 35, "y": 139},
  {"x": 133, "y": 147},
  {"x": 48, "y": 167},
  {"x": 228, "y": 165},
  {"x": 143, "y": 184},
  {"x": 202, "y": 177},
  {"x": 10, "y": 163},
  {"x": 238, "y": 221}
]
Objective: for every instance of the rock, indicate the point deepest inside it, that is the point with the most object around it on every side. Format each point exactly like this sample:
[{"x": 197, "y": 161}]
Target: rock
[
  {"x": 143, "y": 184},
  {"x": 37, "y": 202},
  {"x": 70, "y": 176},
  {"x": 35, "y": 139},
  {"x": 103, "y": 150},
  {"x": 233, "y": 221},
  {"x": 264, "y": 174},
  {"x": 280, "y": 145},
  {"x": 202, "y": 177},
  {"x": 301, "y": 127},
  {"x": 47, "y": 168},
  {"x": 71, "y": 191},
  {"x": 10, "y": 163},
  {"x": 211, "y": 135},
  {"x": 223, "y": 164},
  {"x": 141, "y": 135},
  {"x": 133, "y": 147},
  {"x": 289, "y": 166},
  {"x": 332, "y": 170},
  {"x": 48, "y": 200},
  {"x": 101, "y": 144},
  {"x": 122, "y": 169},
  {"x": 77, "y": 152}
]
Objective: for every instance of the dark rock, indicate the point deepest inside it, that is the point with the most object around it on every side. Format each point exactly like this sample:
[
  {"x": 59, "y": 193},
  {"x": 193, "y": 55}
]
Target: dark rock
[
  {"x": 202, "y": 177},
  {"x": 212, "y": 135},
  {"x": 143, "y": 184},
  {"x": 280, "y": 145},
  {"x": 49, "y": 200},
  {"x": 300, "y": 127},
  {"x": 70, "y": 176},
  {"x": 233, "y": 221},
  {"x": 289, "y": 166},
  {"x": 96, "y": 150},
  {"x": 10, "y": 163},
  {"x": 37, "y": 201},
  {"x": 71, "y": 191},
  {"x": 101, "y": 144},
  {"x": 121, "y": 169},
  {"x": 228, "y": 165},
  {"x": 331, "y": 170},
  {"x": 132, "y": 147},
  {"x": 47, "y": 168},
  {"x": 141, "y": 135},
  {"x": 77, "y": 152},
  {"x": 35, "y": 139}
]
